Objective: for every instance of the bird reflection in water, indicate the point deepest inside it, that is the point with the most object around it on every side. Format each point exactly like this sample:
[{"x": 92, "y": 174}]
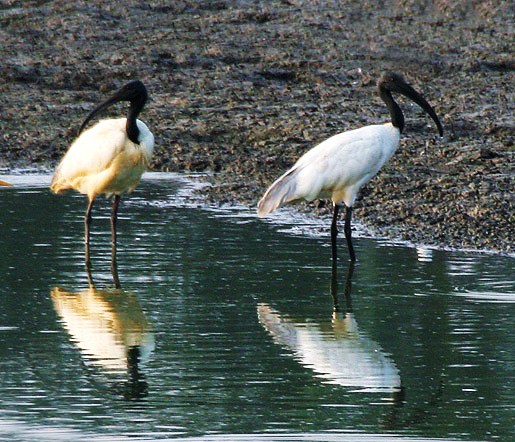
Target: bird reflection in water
[
  {"x": 111, "y": 331},
  {"x": 337, "y": 351}
]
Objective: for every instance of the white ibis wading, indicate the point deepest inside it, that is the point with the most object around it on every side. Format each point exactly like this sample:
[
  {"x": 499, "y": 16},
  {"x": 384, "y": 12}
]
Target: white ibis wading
[
  {"x": 109, "y": 158},
  {"x": 339, "y": 166}
]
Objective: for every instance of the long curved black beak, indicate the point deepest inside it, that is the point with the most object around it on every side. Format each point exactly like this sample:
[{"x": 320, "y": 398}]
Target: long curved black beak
[
  {"x": 114, "y": 99},
  {"x": 406, "y": 90},
  {"x": 134, "y": 91}
]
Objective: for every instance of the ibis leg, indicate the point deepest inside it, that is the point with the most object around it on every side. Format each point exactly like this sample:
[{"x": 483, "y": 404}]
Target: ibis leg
[
  {"x": 348, "y": 233},
  {"x": 348, "y": 287},
  {"x": 90, "y": 275},
  {"x": 334, "y": 234},
  {"x": 114, "y": 273},
  {"x": 114, "y": 219},
  {"x": 87, "y": 223},
  {"x": 333, "y": 287}
]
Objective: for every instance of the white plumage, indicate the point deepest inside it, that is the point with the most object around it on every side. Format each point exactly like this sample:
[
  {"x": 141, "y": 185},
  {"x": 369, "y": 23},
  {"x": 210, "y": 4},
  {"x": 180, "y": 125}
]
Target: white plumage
[
  {"x": 103, "y": 160},
  {"x": 338, "y": 167},
  {"x": 108, "y": 158}
]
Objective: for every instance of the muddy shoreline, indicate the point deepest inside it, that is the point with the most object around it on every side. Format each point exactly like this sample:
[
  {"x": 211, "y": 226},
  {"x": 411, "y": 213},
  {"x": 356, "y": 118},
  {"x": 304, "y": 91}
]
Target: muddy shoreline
[{"x": 241, "y": 89}]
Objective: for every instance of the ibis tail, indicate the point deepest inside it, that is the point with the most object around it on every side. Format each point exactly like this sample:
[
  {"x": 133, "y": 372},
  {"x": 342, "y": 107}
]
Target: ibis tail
[{"x": 281, "y": 192}]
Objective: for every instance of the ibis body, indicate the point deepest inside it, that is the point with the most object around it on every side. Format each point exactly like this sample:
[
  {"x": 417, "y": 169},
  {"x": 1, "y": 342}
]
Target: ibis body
[
  {"x": 338, "y": 167},
  {"x": 103, "y": 160},
  {"x": 109, "y": 158}
]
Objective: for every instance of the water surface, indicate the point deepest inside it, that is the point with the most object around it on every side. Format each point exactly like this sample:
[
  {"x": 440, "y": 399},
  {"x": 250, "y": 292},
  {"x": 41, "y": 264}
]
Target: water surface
[{"x": 224, "y": 327}]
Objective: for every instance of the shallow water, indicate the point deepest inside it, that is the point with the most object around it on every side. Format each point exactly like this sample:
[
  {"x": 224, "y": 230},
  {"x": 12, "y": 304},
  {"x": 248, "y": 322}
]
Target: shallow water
[{"x": 224, "y": 328}]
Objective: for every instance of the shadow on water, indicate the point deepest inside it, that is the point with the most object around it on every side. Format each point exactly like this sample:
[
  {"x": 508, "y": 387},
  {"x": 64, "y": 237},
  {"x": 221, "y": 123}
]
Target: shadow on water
[
  {"x": 111, "y": 331},
  {"x": 342, "y": 354},
  {"x": 411, "y": 343},
  {"x": 337, "y": 352}
]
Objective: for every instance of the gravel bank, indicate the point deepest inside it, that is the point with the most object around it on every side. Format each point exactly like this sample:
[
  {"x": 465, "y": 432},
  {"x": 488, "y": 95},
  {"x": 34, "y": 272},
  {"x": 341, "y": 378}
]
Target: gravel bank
[{"x": 243, "y": 88}]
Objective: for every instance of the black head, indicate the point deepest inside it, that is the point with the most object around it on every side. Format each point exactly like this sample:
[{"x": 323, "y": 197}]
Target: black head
[
  {"x": 135, "y": 92},
  {"x": 132, "y": 91},
  {"x": 393, "y": 82}
]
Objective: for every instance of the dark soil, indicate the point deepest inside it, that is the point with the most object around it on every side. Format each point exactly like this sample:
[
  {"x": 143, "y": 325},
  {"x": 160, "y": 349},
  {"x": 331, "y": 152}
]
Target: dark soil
[{"x": 243, "y": 88}]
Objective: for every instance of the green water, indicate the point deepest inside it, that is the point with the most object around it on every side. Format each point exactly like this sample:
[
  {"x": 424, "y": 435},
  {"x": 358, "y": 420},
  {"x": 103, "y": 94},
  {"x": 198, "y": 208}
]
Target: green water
[{"x": 224, "y": 328}]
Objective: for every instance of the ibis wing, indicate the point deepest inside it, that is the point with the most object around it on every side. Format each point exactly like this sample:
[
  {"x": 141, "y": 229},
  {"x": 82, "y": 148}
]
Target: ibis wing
[
  {"x": 92, "y": 153},
  {"x": 337, "y": 167},
  {"x": 280, "y": 192},
  {"x": 306, "y": 179}
]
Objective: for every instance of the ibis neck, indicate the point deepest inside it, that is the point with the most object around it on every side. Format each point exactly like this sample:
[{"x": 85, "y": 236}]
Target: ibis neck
[
  {"x": 132, "y": 126},
  {"x": 393, "y": 107}
]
